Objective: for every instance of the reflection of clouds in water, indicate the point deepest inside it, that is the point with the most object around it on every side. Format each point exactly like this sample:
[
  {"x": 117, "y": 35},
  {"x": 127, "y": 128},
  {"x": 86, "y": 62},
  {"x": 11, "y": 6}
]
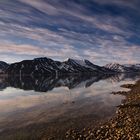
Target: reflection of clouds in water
[
  {"x": 62, "y": 99},
  {"x": 19, "y": 99},
  {"x": 20, "y": 102}
]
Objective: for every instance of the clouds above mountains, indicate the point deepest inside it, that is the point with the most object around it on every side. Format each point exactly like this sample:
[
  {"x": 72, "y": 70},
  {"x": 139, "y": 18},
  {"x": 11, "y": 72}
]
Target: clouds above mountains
[{"x": 101, "y": 31}]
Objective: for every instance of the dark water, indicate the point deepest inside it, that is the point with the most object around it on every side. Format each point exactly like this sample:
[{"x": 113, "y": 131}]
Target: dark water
[{"x": 49, "y": 106}]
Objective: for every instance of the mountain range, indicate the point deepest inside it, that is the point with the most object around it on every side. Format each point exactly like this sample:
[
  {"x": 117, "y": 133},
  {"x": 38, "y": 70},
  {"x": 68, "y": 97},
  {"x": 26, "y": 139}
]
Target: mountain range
[
  {"x": 46, "y": 66},
  {"x": 126, "y": 68}
]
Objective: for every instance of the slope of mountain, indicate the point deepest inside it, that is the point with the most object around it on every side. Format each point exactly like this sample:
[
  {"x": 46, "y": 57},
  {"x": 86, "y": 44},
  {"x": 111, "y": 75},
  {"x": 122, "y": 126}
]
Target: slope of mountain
[
  {"x": 123, "y": 68},
  {"x": 85, "y": 65},
  {"x": 135, "y": 66},
  {"x": 115, "y": 67},
  {"x": 38, "y": 66},
  {"x": 47, "y": 66},
  {"x": 3, "y": 66}
]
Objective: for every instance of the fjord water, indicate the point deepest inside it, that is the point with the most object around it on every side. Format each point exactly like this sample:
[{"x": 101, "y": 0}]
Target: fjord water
[{"x": 32, "y": 107}]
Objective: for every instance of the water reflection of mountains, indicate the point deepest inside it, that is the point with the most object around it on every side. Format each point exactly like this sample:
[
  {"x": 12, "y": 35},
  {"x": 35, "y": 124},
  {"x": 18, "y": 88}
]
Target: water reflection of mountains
[{"x": 44, "y": 84}]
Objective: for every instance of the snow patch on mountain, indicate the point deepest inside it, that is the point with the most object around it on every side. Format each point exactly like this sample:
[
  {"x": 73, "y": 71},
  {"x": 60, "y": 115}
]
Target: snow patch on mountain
[
  {"x": 123, "y": 68},
  {"x": 115, "y": 66}
]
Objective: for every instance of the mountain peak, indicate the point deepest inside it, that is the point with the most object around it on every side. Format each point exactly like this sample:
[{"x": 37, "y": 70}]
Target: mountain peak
[
  {"x": 47, "y": 66},
  {"x": 42, "y": 58},
  {"x": 77, "y": 61},
  {"x": 115, "y": 66},
  {"x": 3, "y": 66}
]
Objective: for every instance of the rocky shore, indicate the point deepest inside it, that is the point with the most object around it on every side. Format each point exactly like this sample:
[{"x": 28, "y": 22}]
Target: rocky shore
[{"x": 125, "y": 125}]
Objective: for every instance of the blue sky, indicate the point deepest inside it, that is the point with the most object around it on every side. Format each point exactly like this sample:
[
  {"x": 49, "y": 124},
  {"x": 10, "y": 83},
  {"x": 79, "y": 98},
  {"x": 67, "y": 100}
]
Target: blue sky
[{"x": 102, "y": 31}]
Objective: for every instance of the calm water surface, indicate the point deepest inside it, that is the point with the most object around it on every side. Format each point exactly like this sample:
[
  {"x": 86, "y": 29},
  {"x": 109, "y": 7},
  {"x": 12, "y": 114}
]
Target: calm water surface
[{"x": 54, "y": 105}]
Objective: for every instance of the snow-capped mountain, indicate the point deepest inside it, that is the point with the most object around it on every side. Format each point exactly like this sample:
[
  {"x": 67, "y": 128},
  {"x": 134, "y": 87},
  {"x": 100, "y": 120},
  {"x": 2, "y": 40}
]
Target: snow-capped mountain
[
  {"x": 123, "y": 68},
  {"x": 47, "y": 66},
  {"x": 3, "y": 66},
  {"x": 115, "y": 66},
  {"x": 84, "y": 66}
]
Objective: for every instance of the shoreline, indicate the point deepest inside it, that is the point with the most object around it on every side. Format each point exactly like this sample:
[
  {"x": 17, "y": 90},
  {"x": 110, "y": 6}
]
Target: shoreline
[{"x": 125, "y": 125}]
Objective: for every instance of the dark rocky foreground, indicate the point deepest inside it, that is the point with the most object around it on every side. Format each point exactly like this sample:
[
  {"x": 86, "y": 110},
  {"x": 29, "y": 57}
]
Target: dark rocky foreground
[{"x": 124, "y": 126}]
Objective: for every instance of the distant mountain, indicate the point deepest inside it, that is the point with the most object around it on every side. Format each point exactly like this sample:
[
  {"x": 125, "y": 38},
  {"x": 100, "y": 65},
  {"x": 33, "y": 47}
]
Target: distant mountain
[
  {"x": 38, "y": 66},
  {"x": 123, "y": 68},
  {"x": 84, "y": 66},
  {"x": 3, "y": 66},
  {"x": 47, "y": 66},
  {"x": 135, "y": 66},
  {"x": 115, "y": 67}
]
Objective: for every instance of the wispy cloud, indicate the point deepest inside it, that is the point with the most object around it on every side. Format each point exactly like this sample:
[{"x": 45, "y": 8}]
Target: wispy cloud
[
  {"x": 60, "y": 53},
  {"x": 97, "y": 30}
]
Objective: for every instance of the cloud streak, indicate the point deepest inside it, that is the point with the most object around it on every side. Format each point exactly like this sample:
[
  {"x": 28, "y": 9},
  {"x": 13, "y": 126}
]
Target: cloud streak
[{"x": 97, "y": 30}]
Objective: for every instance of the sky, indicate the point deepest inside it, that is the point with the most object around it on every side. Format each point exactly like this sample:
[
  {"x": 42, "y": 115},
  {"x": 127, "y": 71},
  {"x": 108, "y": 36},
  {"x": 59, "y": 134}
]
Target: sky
[{"x": 101, "y": 31}]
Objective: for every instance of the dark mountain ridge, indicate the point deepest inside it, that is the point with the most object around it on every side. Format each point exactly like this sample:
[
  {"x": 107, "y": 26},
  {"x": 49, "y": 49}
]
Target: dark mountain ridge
[
  {"x": 46, "y": 66},
  {"x": 3, "y": 66}
]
